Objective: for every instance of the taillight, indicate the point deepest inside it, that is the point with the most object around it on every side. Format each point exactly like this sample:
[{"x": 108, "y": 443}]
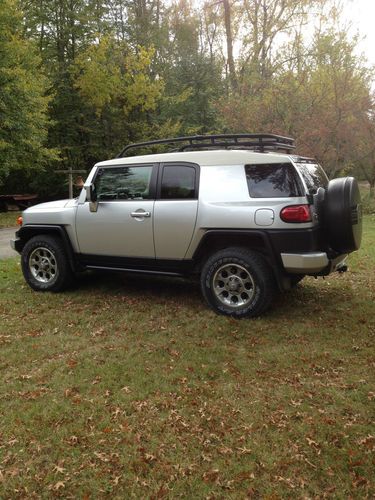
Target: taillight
[
  {"x": 296, "y": 213},
  {"x": 19, "y": 220}
]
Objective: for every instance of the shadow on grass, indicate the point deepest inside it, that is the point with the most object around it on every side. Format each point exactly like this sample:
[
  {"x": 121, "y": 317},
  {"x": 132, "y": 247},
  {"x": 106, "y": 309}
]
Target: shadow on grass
[{"x": 140, "y": 284}]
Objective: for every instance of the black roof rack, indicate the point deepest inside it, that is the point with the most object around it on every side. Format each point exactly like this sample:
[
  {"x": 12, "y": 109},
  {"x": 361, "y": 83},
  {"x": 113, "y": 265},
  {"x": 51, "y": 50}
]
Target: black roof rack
[{"x": 255, "y": 142}]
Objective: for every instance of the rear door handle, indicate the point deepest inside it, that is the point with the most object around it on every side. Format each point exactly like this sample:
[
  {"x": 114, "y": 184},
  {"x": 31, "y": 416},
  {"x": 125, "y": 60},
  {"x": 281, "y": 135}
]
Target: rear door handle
[{"x": 139, "y": 215}]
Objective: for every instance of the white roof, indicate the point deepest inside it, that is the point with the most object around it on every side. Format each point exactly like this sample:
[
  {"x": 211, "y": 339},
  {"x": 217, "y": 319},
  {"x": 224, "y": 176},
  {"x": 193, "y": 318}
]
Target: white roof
[{"x": 213, "y": 157}]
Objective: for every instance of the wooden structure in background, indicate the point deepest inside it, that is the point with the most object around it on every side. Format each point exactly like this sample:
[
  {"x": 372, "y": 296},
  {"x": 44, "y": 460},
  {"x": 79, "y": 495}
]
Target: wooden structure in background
[
  {"x": 70, "y": 173},
  {"x": 14, "y": 202}
]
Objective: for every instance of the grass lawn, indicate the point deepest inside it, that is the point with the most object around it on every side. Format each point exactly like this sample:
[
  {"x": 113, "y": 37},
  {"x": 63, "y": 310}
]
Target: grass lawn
[
  {"x": 130, "y": 386},
  {"x": 8, "y": 219},
  {"x": 368, "y": 203}
]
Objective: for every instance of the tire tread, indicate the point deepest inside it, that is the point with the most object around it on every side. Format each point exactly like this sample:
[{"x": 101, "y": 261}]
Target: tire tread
[{"x": 259, "y": 267}]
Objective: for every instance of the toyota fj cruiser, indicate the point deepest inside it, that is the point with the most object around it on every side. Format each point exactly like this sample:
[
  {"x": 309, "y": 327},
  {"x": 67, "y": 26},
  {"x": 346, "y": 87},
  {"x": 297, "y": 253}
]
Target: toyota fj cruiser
[{"x": 241, "y": 211}]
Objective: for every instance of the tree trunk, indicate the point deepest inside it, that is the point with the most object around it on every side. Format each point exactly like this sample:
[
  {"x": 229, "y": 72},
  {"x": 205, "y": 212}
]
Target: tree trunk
[{"x": 228, "y": 31}]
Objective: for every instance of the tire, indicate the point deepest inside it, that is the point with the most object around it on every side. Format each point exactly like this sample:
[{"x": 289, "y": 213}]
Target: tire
[
  {"x": 238, "y": 282},
  {"x": 45, "y": 265},
  {"x": 341, "y": 214}
]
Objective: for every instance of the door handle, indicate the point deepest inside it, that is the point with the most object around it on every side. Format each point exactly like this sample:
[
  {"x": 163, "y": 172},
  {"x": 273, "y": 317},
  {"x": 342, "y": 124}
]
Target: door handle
[{"x": 139, "y": 215}]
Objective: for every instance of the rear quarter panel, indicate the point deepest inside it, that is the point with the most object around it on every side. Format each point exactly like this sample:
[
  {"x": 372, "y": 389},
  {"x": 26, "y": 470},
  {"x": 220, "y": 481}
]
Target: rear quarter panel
[{"x": 225, "y": 203}]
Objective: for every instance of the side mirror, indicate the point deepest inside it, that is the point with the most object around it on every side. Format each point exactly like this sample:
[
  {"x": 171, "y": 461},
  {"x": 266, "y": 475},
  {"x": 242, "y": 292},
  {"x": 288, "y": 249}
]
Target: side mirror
[{"x": 91, "y": 197}]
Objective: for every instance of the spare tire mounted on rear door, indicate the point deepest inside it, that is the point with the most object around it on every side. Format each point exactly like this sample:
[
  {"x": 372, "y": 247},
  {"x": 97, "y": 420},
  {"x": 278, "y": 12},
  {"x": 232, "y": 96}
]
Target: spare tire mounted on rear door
[{"x": 342, "y": 215}]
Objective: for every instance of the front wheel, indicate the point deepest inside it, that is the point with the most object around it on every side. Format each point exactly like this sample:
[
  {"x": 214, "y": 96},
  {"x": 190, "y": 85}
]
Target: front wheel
[
  {"x": 44, "y": 264},
  {"x": 238, "y": 282}
]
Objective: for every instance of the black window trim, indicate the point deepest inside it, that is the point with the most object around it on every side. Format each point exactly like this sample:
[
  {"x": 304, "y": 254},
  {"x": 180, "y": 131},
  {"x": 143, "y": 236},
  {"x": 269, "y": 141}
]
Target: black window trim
[
  {"x": 195, "y": 166},
  {"x": 153, "y": 180}
]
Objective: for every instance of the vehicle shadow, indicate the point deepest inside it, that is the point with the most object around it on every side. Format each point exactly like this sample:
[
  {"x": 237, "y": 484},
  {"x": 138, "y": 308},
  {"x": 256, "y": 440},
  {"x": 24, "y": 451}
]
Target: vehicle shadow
[
  {"x": 302, "y": 300},
  {"x": 140, "y": 286},
  {"x": 313, "y": 299}
]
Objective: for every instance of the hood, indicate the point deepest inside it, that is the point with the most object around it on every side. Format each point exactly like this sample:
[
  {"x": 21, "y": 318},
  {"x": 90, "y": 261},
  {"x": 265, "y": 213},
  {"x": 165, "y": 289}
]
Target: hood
[{"x": 50, "y": 205}]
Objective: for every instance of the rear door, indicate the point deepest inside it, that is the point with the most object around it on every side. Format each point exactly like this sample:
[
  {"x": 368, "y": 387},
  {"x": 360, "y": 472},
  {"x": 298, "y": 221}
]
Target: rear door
[
  {"x": 176, "y": 208},
  {"x": 123, "y": 224}
]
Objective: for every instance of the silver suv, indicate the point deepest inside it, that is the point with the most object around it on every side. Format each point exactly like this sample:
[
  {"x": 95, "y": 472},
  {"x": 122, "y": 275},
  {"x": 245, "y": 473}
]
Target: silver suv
[{"x": 241, "y": 211}]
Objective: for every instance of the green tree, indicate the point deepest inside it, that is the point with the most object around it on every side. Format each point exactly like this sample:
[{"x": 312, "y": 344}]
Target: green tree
[
  {"x": 115, "y": 83},
  {"x": 365, "y": 164},
  {"x": 62, "y": 29},
  {"x": 23, "y": 100},
  {"x": 323, "y": 102},
  {"x": 192, "y": 74},
  {"x": 129, "y": 70}
]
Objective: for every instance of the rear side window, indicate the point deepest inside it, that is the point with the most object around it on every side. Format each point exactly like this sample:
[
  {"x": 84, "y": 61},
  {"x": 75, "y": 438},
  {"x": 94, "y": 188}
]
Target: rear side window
[
  {"x": 272, "y": 180},
  {"x": 178, "y": 182},
  {"x": 313, "y": 175}
]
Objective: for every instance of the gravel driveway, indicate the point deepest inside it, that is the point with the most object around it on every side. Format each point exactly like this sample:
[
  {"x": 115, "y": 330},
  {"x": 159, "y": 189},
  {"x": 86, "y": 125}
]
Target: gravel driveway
[{"x": 5, "y": 249}]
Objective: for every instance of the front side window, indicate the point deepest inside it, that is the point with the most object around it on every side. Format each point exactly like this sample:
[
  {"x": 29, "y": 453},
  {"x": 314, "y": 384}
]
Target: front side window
[
  {"x": 272, "y": 180},
  {"x": 178, "y": 182},
  {"x": 123, "y": 183}
]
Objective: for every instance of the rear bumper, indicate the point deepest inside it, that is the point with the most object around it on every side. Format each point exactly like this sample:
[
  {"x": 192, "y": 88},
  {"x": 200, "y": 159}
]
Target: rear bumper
[{"x": 311, "y": 263}]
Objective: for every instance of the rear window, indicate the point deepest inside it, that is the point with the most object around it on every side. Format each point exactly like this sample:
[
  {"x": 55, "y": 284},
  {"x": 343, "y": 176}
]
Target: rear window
[
  {"x": 272, "y": 180},
  {"x": 313, "y": 175}
]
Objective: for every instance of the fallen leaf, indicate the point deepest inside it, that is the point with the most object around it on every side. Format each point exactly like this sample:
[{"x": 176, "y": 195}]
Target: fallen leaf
[
  {"x": 58, "y": 469},
  {"x": 58, "y": 485}
]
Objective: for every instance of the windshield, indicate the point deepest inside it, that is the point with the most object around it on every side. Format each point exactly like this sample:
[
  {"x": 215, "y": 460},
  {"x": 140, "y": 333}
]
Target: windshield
[{"x": 313, "y": 175}]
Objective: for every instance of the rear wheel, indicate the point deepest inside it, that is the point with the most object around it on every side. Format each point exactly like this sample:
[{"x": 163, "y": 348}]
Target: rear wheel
[
  {"x": 44, "y": 264},
  {"x": 237, "y": 282}
]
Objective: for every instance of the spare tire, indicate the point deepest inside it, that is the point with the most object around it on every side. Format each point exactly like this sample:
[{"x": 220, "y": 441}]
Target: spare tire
[{"x": 342, "y": 215}]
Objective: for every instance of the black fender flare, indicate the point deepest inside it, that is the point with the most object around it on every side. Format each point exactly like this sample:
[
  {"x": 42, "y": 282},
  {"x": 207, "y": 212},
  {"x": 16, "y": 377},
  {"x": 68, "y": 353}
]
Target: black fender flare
[
  {"x": 25, "y": 233},
  {"x": 254, "y": 239}
]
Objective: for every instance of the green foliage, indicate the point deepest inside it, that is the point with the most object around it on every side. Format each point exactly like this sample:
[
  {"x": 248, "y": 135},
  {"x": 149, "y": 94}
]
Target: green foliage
[
  {"x": 322, "y": 103},
  {"x": 368, "y": 199},
  {"x": 23, "y": 100},
  {"x": 111, "y": 74},
  {"x": 193, "y": 79},
  {"x": 121, "y": 94},
  {"x": 121, "y": 71}
]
